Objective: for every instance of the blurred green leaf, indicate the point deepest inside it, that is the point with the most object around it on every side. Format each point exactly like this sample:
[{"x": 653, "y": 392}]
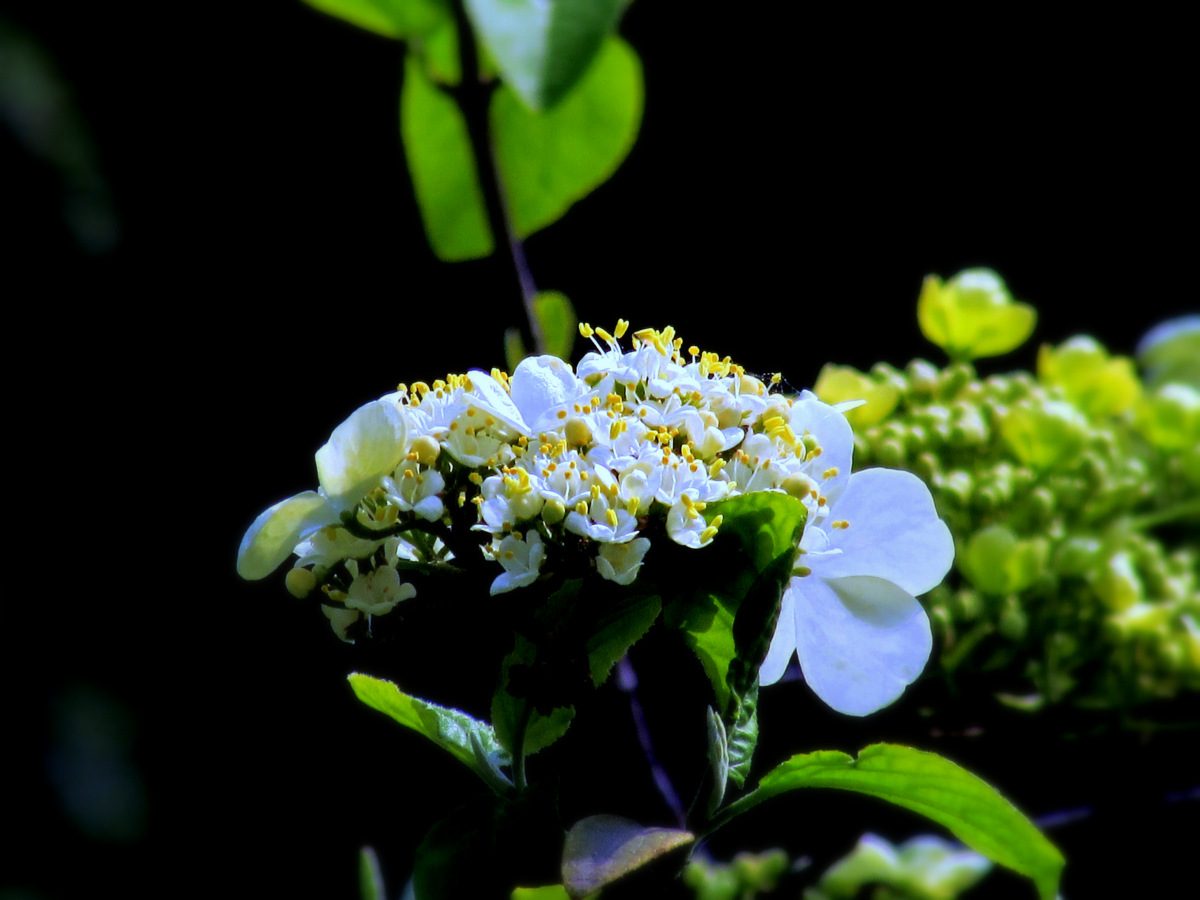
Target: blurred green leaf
[
  {"x": 542, "y": 48},
  {"x": 469, "y": 740},
  {"x": 601, "y": 849},
  {"x": 973, "y": 315},
  {"x": 1170, "y": 351},
  {"x": 618, "y": 629},
  {"x": 927, "y": 784},
  {"x": 556, "y": 315},
  {"x": 442, "y": 166},
  {"x": 391, "y": 18},
  {"x": 548, "y": 161},
  {"x": 549, "y": 892},
  {"x": 370, "y": 878}
]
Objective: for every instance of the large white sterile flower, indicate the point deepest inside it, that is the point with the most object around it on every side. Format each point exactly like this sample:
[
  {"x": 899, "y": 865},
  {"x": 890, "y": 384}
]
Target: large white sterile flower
[
  {"x": 850, "y": 612},
  {"x": 359, "y": 453}
]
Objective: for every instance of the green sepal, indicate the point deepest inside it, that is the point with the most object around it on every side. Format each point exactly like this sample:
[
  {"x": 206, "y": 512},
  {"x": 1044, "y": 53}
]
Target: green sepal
[
  {"x": 470, "y": 741},
  {"x": 927, "y": 784}
]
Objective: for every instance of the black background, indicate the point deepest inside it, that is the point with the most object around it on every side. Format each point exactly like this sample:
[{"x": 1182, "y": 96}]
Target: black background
[{"x": 795, "y": 178}]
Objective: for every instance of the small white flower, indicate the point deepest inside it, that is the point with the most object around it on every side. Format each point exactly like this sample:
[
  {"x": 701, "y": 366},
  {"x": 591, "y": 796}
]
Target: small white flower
[
  {"x": 522, "y": 561},
  {"x": 620, "y": 562},
  {"x": 377, "y": 592}
]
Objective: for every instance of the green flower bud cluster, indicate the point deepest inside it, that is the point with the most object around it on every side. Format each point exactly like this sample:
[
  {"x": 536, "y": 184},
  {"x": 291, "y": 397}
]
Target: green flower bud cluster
[{"x": 1073, "y": 494}]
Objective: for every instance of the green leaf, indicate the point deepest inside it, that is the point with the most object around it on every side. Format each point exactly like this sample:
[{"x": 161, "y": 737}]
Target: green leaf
[
  {"x": 559, "y": 324},
  {"x": 973, "y": 315},
  {"x": 728, "y": 613},
  {"x": 468, "y": 740},
  {"x": 370, "y": 878},
  {"x": 390, "y": 18},
  {"x": 548, "y": 161},
  {"x": 542, "y": 48},
  {"x": 925, "y": 783},
  {"x": 618, "y": 629},
  {"x": 718, "y": 760},
  {"x": 527, "y": 700},
  {"x": 549, "y": 892},
  {"x": 442, "y": 166},
  {"x": 601, "y": 849},
  {"x": 743, "y": 737}
]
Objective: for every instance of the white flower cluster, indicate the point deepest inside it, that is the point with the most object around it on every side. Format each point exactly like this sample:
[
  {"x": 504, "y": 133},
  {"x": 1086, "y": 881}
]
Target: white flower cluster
[{"x": 631, "y": 444}]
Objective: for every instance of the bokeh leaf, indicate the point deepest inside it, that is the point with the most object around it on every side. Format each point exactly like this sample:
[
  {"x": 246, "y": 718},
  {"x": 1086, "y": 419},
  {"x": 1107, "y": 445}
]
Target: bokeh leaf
[
  {"x": 548, "y": 161},
  {"x": 442, "y": 166},
  {"x": 391, "y": 18},
  {"x": 542, "y": 48}
]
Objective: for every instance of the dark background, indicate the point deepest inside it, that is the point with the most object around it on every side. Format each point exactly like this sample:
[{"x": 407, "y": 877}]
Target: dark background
[{"x": 226, "y": 260}]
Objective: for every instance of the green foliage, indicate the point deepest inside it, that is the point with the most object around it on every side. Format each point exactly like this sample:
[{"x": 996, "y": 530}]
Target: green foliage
[
  {"x": 743, "y": 878},
  {"x": 601, "y": 849},
  {"x": 929, "y": 785},
  {"x": 542, "y": 49},
  {"x": 468, "y": 740},
  {"x": 398, "y": 19},
  {"x": 743, "y": 737},
  {"x": 549, "y": 161},
  {"x": 370, "y": 878},
  {"x": 973, "y": 315},
  {"x": 1064, "y": 588},
  {"x": 924, "y": 868},
  {"x": 555, "y": 317},
  {"x": 443, "y": 168},
  {"x": 529, "y": 708},
  {"x": 727, "y": 613},
  {"x": 487, "y": 846}
]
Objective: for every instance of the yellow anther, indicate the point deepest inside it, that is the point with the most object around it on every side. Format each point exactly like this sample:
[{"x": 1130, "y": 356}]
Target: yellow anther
[
  {"x": 585, "y": 329},
  {"x": 408, "y": 473},
  {"x": 831, "y": 472},
  {"x": 802, "y": 571},
  {"x": 615, "y": 430},
  {"x": 776, "y": 378},
  {"x": 562, "y": 414},
  {"x": 595, "y": 491},
  {"x": 716, "y": 467},
  {"x": 604, "y": 335},
  {"x": 471, "y": 411},
  {"x": 475, "y": 478},
  {"x": 840, "y": 523},
  {"x": 821, "y": 501},
  {"x": 581, "y": 508},
  {"x": 611, "y": 516},
  {"x": 622, "y": 327},
  {"x": 693, "y": 350}
]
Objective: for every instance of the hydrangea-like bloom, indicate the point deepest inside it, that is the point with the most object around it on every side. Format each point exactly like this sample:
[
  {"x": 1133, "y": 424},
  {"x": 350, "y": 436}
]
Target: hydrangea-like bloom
[
  {"x": 592, "y": 466},
  {"x": 850, "y": 613}
]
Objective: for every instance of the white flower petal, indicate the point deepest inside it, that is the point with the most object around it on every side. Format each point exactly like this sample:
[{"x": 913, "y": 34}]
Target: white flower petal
[
  {"x": 894, "y": 532},
  {"x": 364, "y": 448},
  {"x": 490, "y": 396},
  {"x": 273, "y": 535},
  {"x": 783, "y": 644},
  {"x": 542, "y": 384},
  {"x": 833, "y": 433},
  {"x": 860, "y": 640}
]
